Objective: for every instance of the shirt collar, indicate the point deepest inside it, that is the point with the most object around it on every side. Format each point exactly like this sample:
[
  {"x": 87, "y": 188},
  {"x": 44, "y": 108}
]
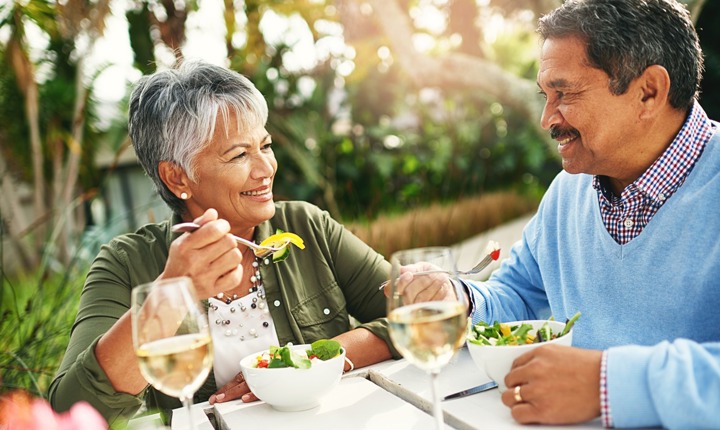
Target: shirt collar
[{"x": 669, "y": 170}]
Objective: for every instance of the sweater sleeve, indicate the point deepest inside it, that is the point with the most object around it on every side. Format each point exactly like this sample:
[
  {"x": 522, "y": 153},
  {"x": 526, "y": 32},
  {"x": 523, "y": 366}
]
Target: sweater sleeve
[
  {"x": 514, "y": 291},
  {"x": 672, "y": 384}
]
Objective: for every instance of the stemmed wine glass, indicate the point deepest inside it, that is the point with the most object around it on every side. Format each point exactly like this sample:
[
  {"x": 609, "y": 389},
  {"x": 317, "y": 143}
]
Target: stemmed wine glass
[
  {"x": 425, "y": 329},
  {"x": 171, "y": 338}
]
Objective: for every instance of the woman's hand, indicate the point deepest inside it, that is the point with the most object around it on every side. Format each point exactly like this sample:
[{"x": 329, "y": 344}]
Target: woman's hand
[
  {"x": 209, "y": 256},
  {"x": 236, "y": 388},
  {"x": 558, "y": 385}
]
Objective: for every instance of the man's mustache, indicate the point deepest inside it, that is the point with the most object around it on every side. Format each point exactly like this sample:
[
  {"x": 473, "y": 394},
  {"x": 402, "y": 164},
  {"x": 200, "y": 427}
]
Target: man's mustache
[{"x": 556, "y": 132}]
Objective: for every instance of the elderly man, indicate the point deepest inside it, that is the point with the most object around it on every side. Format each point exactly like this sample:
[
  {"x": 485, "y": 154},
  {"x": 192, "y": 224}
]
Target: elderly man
[{"x": 627, "y": 233}]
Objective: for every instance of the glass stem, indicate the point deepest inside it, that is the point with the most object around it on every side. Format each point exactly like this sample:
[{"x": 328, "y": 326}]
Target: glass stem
[
  {"x": 187, "y": 401},
  {"x": 437, "y": 408}
]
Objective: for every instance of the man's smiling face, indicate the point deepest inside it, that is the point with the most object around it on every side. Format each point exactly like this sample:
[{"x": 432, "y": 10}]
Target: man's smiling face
[{"x": 594, "y": 128}]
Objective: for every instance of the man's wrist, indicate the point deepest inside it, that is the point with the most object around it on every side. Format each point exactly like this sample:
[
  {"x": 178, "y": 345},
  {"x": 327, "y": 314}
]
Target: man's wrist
[{"x": 468, "y": 295}]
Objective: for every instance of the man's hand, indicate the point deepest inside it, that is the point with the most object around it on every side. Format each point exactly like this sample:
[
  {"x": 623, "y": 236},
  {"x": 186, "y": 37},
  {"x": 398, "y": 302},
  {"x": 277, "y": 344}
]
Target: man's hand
[
  {"x": 424, "y": 288},
  {"x": 558, "y": 385}
]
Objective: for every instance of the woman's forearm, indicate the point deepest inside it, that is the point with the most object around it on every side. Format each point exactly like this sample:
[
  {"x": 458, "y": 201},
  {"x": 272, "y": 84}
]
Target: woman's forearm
[
  {"x": 363, "y": 348},
  {"x": 116, "y": 356}
]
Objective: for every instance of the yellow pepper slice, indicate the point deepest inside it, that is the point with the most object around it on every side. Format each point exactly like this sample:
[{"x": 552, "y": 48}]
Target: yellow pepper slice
[{"x": 279, "y": 239}]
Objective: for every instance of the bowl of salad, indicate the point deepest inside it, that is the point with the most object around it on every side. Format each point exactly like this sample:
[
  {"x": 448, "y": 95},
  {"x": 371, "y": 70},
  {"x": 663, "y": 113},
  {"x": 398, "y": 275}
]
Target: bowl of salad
[
  {"x": 294, "y": 377},
  {"x": 494, "y": 347}
]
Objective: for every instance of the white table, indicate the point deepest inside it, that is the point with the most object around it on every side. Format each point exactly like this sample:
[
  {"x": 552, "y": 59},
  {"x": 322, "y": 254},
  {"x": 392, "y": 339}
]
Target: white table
[
  {"x": 478, "y": 411},
  {"x": 355, "y": 403},
  {"x": 393, "y": 394}
]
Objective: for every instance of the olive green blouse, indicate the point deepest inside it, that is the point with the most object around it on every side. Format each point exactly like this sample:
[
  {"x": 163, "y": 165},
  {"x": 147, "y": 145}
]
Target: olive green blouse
[{"x": 311, "y": 296}]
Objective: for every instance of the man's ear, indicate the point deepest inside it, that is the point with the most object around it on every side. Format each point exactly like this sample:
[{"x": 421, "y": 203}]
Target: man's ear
[
  {"x": 654, "y": 87},
  {"x": 175, "y": 179}
]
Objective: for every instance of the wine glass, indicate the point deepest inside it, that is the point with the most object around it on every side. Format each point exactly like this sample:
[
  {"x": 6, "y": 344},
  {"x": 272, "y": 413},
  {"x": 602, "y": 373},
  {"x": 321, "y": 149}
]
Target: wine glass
[
  {"x": 426, "y": 329},
  {"x": 171, "y": 338}
]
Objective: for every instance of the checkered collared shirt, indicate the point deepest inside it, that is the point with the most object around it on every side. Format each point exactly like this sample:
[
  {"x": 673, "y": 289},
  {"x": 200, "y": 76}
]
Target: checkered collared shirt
[{"x": 627, "y": 215}]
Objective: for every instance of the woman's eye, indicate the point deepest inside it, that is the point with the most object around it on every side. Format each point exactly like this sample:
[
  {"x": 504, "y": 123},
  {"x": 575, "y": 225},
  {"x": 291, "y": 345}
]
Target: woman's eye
[
  {"x": 240, "y": 156},
  {"x": 267, "y": 146}
]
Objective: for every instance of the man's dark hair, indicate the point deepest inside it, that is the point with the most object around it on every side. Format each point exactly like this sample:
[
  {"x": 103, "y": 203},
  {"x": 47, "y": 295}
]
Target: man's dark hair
[{"x": 624, "y": 37}]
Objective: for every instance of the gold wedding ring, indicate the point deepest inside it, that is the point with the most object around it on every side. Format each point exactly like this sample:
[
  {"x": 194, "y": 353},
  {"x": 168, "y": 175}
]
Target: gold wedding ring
[{"x": 518, "y": 397}]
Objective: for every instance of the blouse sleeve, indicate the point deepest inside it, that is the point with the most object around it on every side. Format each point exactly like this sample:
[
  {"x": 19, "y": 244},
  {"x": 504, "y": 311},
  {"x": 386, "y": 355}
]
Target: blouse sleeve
[
  {"x": 360, "y": 271},
  {"x": 104, "y": 299}
]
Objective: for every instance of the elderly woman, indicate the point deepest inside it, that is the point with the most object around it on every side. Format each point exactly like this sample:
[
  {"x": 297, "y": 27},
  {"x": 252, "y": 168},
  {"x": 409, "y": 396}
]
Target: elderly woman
[{"x": 199, "y": 132}]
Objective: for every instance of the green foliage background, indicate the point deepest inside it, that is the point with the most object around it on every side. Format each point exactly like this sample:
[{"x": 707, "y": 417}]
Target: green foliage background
[{"x": 459, "y": 145}]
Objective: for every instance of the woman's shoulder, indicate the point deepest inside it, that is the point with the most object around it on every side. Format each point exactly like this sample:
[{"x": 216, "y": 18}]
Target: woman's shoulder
[
  {"x": 134, "y": 257},
  {"x": 302, "y": 218},
  {"x": 295, "y": 206},
  {"x": 148, "y": 235},
  {"x": 294, "y": 210}
]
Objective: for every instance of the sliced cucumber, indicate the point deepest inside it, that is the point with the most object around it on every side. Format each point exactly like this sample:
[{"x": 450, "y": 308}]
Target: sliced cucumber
[{"x": 281, "y": 255}]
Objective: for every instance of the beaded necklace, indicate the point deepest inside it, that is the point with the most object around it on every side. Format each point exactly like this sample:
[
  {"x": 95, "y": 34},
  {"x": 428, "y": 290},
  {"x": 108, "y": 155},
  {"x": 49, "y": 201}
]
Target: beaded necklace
[
  {"x": 254, "y": 279},
  {"x": 240, "y": 326},
  {"x": 255, "y": 301}
]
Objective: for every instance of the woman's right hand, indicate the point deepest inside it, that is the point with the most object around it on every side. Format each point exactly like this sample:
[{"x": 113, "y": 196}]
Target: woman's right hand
[{"x": 209, "y": 256}]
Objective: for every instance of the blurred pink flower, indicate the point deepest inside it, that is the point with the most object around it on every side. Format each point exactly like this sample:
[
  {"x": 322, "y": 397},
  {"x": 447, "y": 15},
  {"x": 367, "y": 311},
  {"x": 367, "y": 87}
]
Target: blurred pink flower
[{"x": 21, "y": 412}]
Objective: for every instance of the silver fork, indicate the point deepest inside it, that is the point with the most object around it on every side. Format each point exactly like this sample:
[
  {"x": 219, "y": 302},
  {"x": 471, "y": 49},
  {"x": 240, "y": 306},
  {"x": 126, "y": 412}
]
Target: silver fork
[
  {"x": 493, "y": 254},
  {"x": 259, "y": 251},
  {"x": 478, "y": 268}
]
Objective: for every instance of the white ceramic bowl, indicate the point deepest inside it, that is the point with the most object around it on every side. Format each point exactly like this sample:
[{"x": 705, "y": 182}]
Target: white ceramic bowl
[
  {"x": 291, "y": 389},
  {"x": 497, "y": 360}
]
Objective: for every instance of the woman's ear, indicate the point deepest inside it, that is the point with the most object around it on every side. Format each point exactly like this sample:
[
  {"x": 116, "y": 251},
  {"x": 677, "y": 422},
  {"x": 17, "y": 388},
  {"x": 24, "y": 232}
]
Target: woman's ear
[
  {"x": 175, "y": 179},
  {"x": 654, "y": 86}
]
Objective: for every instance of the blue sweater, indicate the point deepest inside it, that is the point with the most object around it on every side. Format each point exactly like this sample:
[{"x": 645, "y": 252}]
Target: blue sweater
[{"x": 654, "y": 302}]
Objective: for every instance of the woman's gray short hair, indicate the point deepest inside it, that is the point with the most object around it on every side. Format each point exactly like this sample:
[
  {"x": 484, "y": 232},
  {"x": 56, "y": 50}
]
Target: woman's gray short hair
[
  {"x": 625, "y": 37},
  {"x": 173, "y": 114}
]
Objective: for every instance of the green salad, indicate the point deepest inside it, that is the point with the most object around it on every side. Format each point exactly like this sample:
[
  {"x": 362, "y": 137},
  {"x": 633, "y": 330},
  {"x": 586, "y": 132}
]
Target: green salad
[
  {"x": 498, "y": 333},
  {"x": 285, "y": 356}
]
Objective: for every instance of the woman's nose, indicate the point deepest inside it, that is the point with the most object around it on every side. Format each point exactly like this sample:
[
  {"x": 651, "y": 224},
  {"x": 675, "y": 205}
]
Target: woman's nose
[{"x": 264, "y": 165}]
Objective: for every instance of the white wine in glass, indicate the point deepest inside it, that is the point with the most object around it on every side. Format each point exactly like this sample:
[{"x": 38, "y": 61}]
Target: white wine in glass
[
  {"x": 427, "y": 312},
  {"x": 171, "y": 338}
]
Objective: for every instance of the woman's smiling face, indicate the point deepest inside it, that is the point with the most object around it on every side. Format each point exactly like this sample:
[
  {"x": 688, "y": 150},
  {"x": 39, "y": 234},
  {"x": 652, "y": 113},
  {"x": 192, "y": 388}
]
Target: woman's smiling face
[
  {"x": 595, "y": 129},
  {"x": 234, "y": 175}
]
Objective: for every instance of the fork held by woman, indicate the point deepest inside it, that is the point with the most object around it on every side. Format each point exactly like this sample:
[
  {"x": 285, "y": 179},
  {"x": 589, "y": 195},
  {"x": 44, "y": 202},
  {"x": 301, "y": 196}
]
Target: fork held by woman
[{"x": 259, "y": 250}]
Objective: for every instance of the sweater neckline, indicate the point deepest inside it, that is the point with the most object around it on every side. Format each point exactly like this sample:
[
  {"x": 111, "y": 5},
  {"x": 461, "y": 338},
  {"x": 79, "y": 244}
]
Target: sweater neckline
[{"x": 638, "y": 241}]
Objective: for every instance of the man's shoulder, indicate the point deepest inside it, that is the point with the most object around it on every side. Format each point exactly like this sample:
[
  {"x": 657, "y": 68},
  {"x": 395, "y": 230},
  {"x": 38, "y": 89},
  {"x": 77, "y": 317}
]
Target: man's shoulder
[
  {"x": 566, "y": 182},
  {"x": 568, "y": 194}
]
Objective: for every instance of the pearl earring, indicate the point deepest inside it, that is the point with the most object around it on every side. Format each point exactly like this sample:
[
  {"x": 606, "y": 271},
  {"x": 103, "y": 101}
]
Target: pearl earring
[{"x": 184, "y": 196}]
